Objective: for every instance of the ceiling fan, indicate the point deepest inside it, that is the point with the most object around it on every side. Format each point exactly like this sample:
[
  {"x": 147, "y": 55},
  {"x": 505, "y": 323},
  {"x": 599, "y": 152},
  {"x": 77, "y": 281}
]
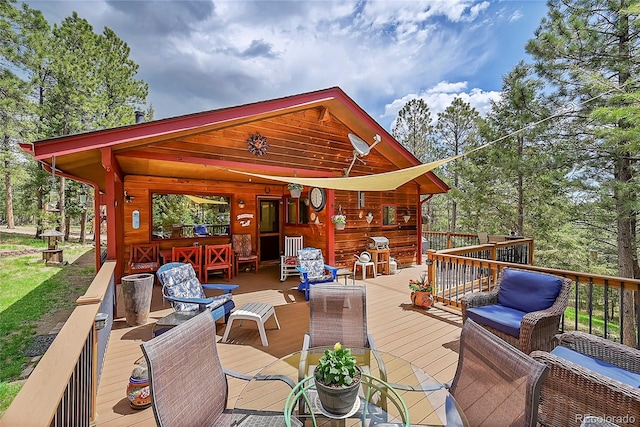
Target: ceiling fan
[{"x": 360, "y": 149}]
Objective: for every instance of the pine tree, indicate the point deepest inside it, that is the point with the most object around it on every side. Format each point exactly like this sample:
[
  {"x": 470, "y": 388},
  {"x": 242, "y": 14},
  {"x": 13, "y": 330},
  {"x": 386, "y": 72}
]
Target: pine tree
[{"x": 589, "y": 51}]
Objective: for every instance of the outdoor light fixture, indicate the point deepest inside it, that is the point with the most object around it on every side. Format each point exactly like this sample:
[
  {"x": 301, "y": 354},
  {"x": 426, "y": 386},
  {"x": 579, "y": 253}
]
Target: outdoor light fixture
[
  {"x": 128, "y": 198},
  {"x": 241, "y": 203},
  {"x": 406, "y": 217}
]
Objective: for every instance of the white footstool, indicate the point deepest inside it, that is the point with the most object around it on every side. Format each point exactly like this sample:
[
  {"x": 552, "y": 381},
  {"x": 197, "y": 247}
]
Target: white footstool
[{"x": 259, "y": 312}]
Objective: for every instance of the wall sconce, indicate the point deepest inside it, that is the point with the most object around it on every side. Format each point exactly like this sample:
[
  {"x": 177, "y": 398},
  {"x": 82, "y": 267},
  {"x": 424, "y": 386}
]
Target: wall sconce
[
  {"x": 241, "y": 203},
  {"x": 128, "y": 198},
  {"x": 369, "y": 218},
  {"x": 406, "y": 217},
  {"x": 306, "y": 201}
]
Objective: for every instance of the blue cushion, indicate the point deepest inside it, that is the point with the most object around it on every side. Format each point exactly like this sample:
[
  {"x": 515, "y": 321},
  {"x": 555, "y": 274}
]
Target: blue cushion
[
  {"x": 496, "y": 316},
  {"x": 526, "y": 291},
  {"x": 597, "y": 365}
]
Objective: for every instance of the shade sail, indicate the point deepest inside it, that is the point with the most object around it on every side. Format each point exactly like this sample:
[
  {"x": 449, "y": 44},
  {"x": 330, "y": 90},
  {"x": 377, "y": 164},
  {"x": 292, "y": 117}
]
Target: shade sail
[
  {"x": 378, "y": 182},
  {"x": 202, "y": 200}
]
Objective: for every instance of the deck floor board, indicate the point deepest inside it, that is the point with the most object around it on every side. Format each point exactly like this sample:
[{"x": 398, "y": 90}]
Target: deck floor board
[{"x": 427, "y": 338}]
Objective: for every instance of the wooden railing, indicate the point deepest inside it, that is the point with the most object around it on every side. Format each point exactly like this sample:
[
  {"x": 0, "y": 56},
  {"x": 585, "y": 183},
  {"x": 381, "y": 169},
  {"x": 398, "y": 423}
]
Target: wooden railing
[
  {"x": 594, "y": 304},
  {"x": 61, "y": 391}
]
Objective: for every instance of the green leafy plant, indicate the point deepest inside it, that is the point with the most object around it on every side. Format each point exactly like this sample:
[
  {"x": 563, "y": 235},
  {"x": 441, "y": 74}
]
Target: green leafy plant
[
  {"x": 294, "y": 186},
  {"x": 339, "y": 219},
  {"x": 421, "y": 284},
  {"x": 337, "y": 367}
]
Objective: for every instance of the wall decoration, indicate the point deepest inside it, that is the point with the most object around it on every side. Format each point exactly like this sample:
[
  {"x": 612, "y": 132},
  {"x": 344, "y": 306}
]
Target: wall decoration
[
  {"x": 257, "y": 144},
  {"x": 244, "y": 216}
]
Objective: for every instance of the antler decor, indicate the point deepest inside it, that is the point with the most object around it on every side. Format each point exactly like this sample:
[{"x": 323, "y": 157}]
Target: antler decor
[{"x": 257, "y": 144}]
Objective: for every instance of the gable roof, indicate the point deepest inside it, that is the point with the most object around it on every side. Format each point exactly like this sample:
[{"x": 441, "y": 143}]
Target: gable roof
[{"x": 184, "y": 146}]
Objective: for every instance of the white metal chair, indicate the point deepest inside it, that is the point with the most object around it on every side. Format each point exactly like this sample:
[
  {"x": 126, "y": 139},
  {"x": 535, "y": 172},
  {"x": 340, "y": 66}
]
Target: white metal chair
[
  {"x": 289, "y": 260},
  {"x": 364, "y": 261}
]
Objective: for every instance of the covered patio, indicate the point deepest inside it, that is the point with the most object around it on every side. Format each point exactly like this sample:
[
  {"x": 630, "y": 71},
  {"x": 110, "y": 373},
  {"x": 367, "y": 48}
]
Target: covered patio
[{"x": 429, "y": 339}]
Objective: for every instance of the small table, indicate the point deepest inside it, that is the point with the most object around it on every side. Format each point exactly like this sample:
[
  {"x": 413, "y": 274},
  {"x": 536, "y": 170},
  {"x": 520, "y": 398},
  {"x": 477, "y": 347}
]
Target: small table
[
  {"x": 259, "y": 312},
  {"x": 343, "y": 272},
  {"x": 428, "y": 401},
  {"x": 172, "y": 320},
  {"x": 381, "y": 258}
]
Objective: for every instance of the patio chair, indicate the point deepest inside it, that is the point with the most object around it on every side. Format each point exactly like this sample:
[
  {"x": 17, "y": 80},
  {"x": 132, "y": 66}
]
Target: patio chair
[
  {"x": 181, "y": 288},
  {"x": 289, "y": 260},
  {"x": 188, "y": 383},
  {"x": 523, "y": 309},
  {"x": 200, "y": 230},
  {"x": 190, "y": 254},
  {"x": 218, "y": 258},
  {"x": 495, "y": 384},
  {"x": 144, "y": 258},
  {"x": 244, "y": 253},
  {"x": 313, "y": 270},
  {"x": 338, "y": 313},
  {"x": 589, "y": 375}
]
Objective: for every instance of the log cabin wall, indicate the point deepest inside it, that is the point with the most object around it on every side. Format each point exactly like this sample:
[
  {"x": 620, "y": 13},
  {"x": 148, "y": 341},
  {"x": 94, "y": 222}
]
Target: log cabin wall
[
  {"x": 355, "y": 237},
  {"x": 140, "y": 190},
  {"x": 349, "y": 242}
]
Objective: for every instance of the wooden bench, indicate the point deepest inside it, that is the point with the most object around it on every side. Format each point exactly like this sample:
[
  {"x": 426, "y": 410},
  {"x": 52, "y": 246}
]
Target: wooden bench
[{"x": 259, "y": 312}]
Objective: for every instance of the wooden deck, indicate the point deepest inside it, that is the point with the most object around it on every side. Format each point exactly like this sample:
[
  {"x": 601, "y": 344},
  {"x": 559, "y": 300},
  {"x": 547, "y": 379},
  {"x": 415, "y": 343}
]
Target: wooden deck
[{"x": 429, "y": 339}]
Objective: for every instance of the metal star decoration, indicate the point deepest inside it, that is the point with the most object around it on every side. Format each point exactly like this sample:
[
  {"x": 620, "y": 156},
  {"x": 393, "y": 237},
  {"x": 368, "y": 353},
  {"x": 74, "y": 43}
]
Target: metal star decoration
[{"x": 257, "y": 144}]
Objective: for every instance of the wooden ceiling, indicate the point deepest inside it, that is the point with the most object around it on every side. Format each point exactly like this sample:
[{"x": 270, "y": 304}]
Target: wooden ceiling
[{"x": 307, "y": 137}]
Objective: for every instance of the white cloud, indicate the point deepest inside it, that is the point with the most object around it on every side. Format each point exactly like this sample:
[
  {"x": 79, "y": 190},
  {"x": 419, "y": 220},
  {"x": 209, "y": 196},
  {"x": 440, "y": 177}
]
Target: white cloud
[
  {"x": 198, "y": 55},
  {"x": 440, "y": 96}
]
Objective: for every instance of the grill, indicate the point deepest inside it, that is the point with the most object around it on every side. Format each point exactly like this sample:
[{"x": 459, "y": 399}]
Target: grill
[{"x": 379, "y": 242}]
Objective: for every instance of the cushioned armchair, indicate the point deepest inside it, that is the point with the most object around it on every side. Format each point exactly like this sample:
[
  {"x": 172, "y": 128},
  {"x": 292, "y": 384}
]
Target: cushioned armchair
[
  {"x": 183, "y": 290},
  {"x": 590, "y": 375},
  {"x": 523, "y": 309},
  {"x": 313, "y": 270}
]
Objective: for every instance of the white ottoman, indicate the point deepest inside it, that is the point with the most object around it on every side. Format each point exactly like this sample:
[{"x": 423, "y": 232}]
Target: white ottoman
[{"x": 256, "y": 311}]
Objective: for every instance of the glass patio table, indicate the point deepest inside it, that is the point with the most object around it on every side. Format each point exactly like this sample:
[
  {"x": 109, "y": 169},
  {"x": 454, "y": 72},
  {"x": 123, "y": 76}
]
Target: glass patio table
[{"x": 394, "y": 392}]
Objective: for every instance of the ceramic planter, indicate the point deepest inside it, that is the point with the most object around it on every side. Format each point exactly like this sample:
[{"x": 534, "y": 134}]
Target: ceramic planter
[
  {"x": 422, "y": 299},
  {"x": 338, "y": 400},
  {"x": 295, "y": 193},
  {"x": 340, "y": 225}
]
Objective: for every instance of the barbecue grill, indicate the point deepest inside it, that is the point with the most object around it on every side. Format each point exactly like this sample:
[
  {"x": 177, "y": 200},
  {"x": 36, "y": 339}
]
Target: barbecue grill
[{"x": 379, "y": 242}]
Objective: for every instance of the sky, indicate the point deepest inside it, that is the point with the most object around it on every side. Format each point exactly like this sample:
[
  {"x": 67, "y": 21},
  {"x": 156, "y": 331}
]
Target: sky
[{"x": 199, "y": 55}]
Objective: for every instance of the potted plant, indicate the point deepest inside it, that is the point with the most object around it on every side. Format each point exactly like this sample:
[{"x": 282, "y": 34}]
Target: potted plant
[
  {"x": 339, "y": 220},
  {"x": 295, "y": 189},
  {"x": 421, "y": 291},
  {"x": 337, "y": 380}
]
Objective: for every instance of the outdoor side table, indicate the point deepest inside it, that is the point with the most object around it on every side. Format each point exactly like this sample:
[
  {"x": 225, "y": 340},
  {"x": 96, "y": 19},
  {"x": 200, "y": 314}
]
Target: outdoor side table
[
  {"x": 172, "y": 320},
  {"x": 346, "y": 273},
  {"x": 381, "y": 258}
]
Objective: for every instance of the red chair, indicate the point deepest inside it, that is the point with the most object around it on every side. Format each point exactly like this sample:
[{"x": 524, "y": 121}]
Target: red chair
[
  {"x": 144, "y": 258},
  {"x": 243, "y": 250},
  {"x": 217, "y": 258},
  {"x": 190, "y": 254}
]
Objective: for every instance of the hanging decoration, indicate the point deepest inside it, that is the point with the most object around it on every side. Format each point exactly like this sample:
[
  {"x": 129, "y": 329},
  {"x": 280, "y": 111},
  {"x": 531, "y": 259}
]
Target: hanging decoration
[{"x": 257, "y": 144}]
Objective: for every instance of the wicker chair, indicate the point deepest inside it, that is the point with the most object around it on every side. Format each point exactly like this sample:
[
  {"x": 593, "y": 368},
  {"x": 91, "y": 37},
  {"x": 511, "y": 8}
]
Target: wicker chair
[
  {"x": 495, "y": 384},
  {"x": 572, "y": 391},
  {"x": 188, "y": 383},
  {"x": 536, "y": 328}
]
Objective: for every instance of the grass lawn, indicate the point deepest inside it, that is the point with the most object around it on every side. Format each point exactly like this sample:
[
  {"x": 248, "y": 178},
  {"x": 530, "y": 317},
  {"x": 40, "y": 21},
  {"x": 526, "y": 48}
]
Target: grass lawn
[{"x": 33, "y": 298}]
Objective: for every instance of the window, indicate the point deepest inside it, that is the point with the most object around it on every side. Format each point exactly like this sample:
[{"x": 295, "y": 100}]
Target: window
[
  {"x": 178, "y": 216},
  {"x": 297, "y": 211},
  {"x": 388, "y": 215}
]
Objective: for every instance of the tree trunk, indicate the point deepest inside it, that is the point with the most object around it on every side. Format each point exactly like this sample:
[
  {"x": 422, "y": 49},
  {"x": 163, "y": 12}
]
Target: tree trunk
[
  {"x": 9, "y": 200},
  {"x": 83, "y": 227}
]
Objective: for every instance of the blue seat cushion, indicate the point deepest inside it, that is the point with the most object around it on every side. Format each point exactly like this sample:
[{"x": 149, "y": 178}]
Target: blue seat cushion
[
  {"x": 527, "y": 291},
  {"x": 497, "y": 316},
  {"x": 597, "y": 365}
]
